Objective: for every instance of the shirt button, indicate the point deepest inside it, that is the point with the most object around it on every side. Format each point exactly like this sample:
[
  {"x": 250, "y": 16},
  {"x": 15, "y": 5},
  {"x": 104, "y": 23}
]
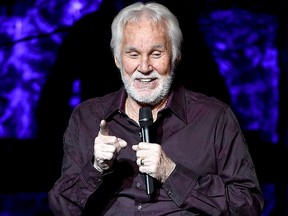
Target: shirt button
[
  {"x": 138, "y": 185},
  {"x": 139, "y": 208},
  {"x": 169, "y": 192}
]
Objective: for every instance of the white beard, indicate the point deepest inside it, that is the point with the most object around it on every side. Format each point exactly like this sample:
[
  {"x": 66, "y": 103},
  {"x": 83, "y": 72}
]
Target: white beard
[{"x": 155, "y": 96}]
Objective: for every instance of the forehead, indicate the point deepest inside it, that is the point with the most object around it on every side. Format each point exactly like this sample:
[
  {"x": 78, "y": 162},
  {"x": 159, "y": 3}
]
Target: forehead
[
  {"x": 145, "y": 29},
  {"x": 145, "y": 18}
]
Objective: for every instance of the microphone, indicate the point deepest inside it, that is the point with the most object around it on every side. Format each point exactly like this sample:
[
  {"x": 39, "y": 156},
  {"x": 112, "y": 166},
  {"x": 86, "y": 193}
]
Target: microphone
[{"x": 145, "y": 121}]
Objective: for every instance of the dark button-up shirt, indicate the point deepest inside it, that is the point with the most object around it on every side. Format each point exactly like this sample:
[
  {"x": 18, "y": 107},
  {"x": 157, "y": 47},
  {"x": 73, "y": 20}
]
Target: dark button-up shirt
[{"x": 214, "y": 173}]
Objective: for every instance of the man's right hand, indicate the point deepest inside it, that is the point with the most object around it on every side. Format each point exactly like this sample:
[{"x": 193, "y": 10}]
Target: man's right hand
[{"x": 106, "y": 148}]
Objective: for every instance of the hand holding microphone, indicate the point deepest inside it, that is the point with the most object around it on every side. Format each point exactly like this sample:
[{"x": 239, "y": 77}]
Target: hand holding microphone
[
  {"x": 106, "y": 148},
  {"x": 151, "y": 159}
]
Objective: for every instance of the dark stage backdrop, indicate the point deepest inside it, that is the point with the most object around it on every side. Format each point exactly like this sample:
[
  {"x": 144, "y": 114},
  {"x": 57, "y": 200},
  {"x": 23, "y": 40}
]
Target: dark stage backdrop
[{"x": 55, "y": 54}]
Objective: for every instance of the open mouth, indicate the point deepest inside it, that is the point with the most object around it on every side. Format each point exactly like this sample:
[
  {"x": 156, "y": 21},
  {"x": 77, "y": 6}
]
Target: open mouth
[{"x": 147, "y": 80}]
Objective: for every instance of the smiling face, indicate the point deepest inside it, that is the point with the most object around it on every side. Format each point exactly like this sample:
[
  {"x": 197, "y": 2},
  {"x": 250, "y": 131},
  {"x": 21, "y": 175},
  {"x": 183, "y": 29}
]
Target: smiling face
[{"x": 146, "y": 61}]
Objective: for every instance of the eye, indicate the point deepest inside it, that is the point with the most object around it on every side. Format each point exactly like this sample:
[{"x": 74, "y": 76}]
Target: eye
[
  {"x": 156, "y": 54},
  {"x": 133, "y": 55}
]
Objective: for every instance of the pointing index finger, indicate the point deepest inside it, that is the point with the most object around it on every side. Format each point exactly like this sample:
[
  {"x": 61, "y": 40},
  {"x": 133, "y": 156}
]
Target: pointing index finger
[{"x": 103, "y": 128}]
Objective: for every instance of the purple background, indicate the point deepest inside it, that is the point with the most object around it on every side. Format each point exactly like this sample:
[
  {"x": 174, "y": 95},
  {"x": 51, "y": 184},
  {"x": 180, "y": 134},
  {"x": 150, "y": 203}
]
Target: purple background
[{"x": 55, "y": 54}]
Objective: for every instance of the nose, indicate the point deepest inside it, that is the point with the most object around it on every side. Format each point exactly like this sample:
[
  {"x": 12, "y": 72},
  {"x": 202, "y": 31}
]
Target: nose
[{"x": 145, "y": 65}]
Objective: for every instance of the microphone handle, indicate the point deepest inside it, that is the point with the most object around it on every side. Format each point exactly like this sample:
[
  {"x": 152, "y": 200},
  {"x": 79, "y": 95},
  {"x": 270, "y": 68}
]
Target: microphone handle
[{"x": 149, "y": 181}]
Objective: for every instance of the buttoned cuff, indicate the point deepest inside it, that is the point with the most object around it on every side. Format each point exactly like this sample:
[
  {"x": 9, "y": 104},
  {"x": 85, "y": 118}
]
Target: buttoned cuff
[{"x": 179, "y": 184}]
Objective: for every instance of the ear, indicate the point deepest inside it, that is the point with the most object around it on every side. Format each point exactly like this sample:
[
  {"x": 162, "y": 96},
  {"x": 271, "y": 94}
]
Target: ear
[{"x": 117, "y": 62}]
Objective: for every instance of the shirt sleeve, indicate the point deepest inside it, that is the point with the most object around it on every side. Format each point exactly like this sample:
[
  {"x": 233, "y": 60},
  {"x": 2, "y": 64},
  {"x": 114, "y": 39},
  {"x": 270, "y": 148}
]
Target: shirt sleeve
[
  {"x": 232, "y": 190},
  {"x": 79, "y": 179}
]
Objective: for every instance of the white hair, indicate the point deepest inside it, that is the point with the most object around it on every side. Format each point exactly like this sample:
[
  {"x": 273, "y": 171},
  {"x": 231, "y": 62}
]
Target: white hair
[{"x": 156, "y": 12}]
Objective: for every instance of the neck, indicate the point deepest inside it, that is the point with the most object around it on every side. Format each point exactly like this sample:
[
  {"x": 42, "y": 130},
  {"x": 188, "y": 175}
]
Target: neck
[{"x": 132, "y": 108}]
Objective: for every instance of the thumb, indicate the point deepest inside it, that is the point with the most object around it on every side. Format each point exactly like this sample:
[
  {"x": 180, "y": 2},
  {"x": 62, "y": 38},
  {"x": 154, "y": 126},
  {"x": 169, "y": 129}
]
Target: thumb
[{"x": 104, "y": 128}]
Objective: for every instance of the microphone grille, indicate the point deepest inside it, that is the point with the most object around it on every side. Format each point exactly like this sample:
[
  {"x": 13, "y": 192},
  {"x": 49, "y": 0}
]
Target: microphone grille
[{"x": 145, "y": 117}]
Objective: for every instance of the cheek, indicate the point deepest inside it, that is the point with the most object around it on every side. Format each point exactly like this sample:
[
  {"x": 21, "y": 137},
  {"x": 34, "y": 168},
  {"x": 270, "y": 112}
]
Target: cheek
[
  {"x": 129, "y": 66},
  {"x": 163, "y": 67}
]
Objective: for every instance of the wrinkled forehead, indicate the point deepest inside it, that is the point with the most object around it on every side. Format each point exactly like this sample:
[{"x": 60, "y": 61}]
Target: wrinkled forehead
[
  {"x": 138, "y": 16},
  {"x": 145, "y": 20}
]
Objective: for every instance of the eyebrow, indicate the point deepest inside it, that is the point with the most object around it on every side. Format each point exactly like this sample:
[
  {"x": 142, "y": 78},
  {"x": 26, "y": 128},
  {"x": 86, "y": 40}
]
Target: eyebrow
[{"x": 130, "y": 48}]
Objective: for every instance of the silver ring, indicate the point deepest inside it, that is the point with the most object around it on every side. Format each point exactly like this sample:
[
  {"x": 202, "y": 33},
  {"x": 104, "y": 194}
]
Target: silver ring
[{"x": 141, "y": 162}]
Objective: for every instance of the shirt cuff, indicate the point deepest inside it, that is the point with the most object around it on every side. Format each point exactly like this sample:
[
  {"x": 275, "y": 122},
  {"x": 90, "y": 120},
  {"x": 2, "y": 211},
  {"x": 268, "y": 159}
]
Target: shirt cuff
[{"x": 179, "y": 184}]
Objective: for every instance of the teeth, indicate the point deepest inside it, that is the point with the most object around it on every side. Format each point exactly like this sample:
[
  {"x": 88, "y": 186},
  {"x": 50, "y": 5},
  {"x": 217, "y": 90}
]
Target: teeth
[{"x": 145, "y": 80}]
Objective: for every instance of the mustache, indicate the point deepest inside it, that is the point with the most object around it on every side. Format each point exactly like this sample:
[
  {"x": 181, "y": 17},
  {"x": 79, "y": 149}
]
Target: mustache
[{"x": 139, "y": 75}]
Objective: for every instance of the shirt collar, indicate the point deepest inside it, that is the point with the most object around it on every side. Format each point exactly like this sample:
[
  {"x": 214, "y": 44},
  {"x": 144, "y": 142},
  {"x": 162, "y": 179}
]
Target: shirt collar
[
  {"x": 176, "y": 103},
  {"x": 117, "y": 103}
]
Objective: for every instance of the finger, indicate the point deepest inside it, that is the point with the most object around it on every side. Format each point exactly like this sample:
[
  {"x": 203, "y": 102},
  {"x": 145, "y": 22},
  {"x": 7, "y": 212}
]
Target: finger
[
  {"x": 135, "y": 147},
  {"x": 144, "y": 145},
  {"x": 104, "y": 128},
  {"x": 140, "y": 162},
  {"x": 122, "y": 143}
]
